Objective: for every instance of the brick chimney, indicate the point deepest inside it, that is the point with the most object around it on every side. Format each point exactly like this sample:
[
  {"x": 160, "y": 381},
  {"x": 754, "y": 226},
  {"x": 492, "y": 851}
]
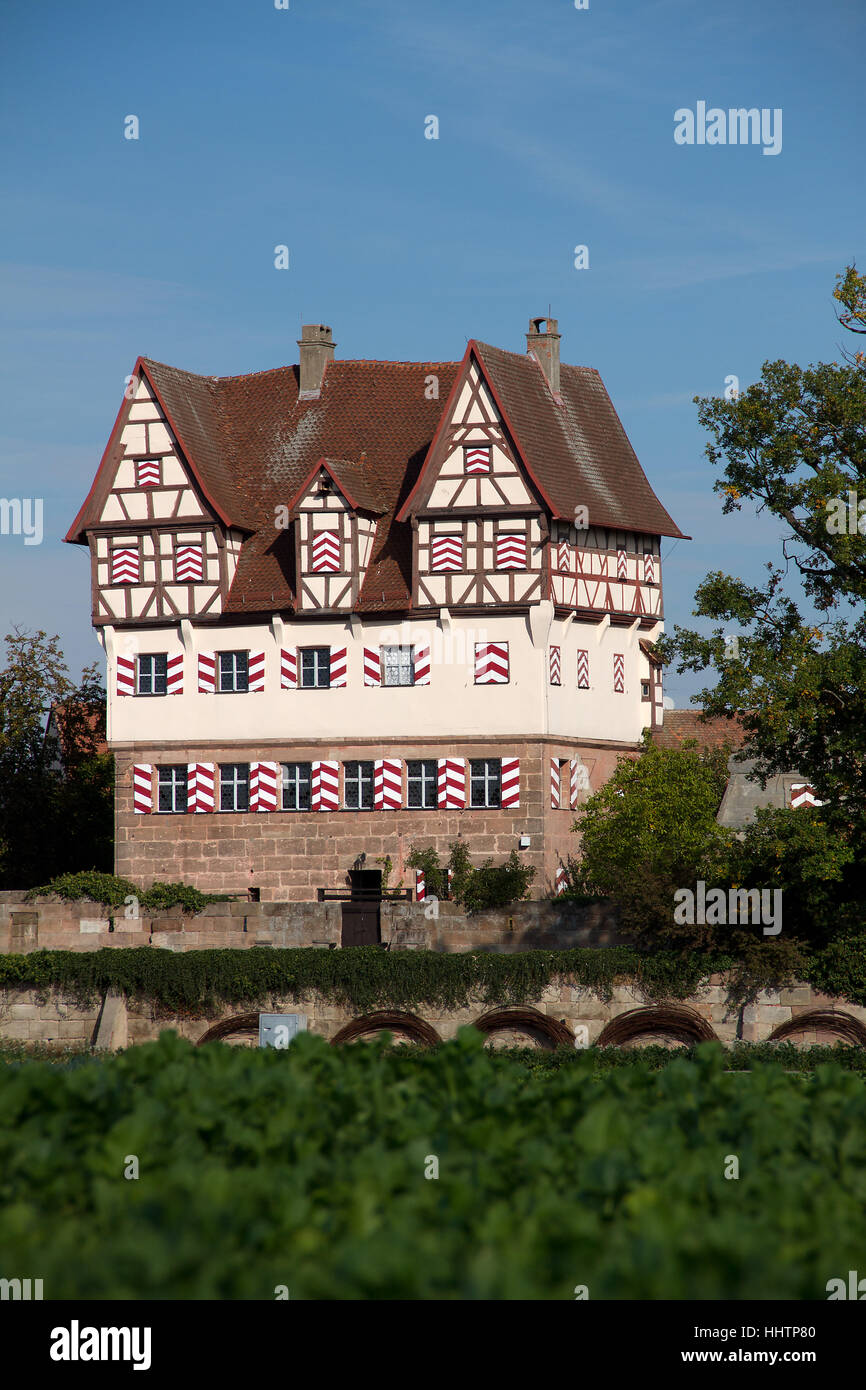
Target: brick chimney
[
  {"x": 317, "y": 350},
  {"x": 545, "y": 348}
]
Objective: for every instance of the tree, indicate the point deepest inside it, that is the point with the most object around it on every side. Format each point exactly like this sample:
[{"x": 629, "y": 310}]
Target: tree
[
  {"x": 51, "y": 820},
  {"x": 794, "y": 445},
  {"x": 650, "y": 830}
]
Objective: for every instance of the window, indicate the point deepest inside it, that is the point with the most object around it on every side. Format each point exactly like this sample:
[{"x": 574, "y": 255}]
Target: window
[
  {"x": 172, "y": 788},
  {"x": 234, "y": 787},
  {"x": 422, "y": 783},
  {"x": 644, "y": 690},
  {"x": 153, "y": 675},
  {"x": 296, "y": 786},
  {"x": 485, "y": 778},
  {"x": 233, "y": 671},
  {"x": 315, "y": 668},
  {"x": 398, "y": 666},
  {"x": 358, "y": 786}
]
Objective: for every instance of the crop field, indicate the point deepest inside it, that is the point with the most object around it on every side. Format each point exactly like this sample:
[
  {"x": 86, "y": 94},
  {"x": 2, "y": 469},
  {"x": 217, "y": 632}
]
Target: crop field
[{"x": 369, "y": 1172}]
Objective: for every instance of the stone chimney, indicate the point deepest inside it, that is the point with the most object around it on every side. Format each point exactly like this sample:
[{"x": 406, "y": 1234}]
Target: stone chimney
[
  {"x": 545, "y": 348},
  {"x": 317, "y": 350}
]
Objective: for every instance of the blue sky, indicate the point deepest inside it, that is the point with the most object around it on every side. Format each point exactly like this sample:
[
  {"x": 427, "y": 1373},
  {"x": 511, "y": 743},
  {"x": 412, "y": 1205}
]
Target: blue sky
[{"x": 305, "y": 127}]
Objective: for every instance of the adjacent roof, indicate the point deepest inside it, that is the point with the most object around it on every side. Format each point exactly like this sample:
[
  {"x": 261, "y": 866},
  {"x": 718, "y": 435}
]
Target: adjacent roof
[
  {"x": 73, "y": 728},
  {"x": 682, "y": 724},
  {"x": 253, "y": 445}
]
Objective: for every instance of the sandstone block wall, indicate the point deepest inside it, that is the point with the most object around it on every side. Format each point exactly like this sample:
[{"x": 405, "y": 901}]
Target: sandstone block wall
[{"x": 287, "y": 855}]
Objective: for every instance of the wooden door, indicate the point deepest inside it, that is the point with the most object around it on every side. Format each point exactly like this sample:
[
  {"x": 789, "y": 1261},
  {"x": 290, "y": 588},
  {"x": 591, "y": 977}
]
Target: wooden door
[{"x": 360, "y": 924}]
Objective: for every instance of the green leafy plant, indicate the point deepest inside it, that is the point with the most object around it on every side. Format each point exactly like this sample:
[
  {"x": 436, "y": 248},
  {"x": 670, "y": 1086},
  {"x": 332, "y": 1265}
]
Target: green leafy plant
[
  {"x": 547, "y": 1177},
  {"x": 114, "y": 891}
]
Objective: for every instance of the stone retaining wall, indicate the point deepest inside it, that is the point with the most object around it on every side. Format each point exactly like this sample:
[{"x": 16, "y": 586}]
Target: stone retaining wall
[
  {"x": 84, "y": 926},
  {"x": 114, "y": 1023}
]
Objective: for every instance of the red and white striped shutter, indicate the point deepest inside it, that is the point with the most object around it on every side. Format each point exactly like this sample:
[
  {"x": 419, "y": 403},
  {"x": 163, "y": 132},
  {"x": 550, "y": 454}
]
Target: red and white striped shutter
[
  {"x": 372, "y": 666},
  {"x": 511, "y": 550},
  {"x": 420, "y": 886},
  {"x": 477, "y": 458},
  {"x": 583, "y": 670},
  {"x": 802, "y": 794},
  {"x": 561, "y": 880},
  {"x": 142, "y": 788},
  {"x": 263, "y": 786},
  {"x": 206, "y": 673},
  {"x": 563, "y": 558},
  {"x": 125, "y": 564},
  {"x": 200, "y": 781},
  {"x": 491, "y": 663},
  {"x": 621, "y": 565},
  {"x": 289, "y": 668},
  {"x": 325, "y": 787},
  {"x": 388, "y": 784},
  {"x": 126, "y": 675},
  {"x": 188, "y": 564},
  {"x": 452, "y": 784},
  {"x": 649, "y": 568},
  {"x": 174, "y": 674},
  {"x": 574, "y": 782},
  {"x": 147, "y": 473},
  {"x": 422, "y": 664},
  {"x": 618, "y": 673},
  {"x": 510, "y": 779},
  {"x": 338, "y": 667},
  {"x": 555, "y": 784},
  {"x": 556, "y": 666},
  {"x": 256, "y": 670},
  {"x": 446, "y": 553},
  {"x": 326, "y": 552}
]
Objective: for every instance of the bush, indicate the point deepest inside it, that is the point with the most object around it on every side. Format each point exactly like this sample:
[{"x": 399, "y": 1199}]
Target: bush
[
  {"x": 114, "y": 891},
  {"x": 491, "y": 885}
]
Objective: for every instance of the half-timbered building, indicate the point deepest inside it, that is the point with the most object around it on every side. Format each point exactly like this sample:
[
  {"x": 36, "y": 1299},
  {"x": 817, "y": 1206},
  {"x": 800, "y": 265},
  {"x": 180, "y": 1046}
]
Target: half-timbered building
[{"x": 352, "y": 606}]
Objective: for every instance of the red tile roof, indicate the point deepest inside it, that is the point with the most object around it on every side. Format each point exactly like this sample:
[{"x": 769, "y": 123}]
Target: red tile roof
[
  {"x": 576, "y": 447},
  {"x": 682, "y": 724},
  {"x": 253, "y": 443}
]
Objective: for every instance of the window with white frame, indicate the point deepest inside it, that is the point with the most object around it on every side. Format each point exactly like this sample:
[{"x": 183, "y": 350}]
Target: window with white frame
[
  {"x": 315, "y": 668},
  {"x": 358, "y": 786},
  {"x": 296, "y": 786},
  {"x": 152, "y": 674},
  {"x": 485, "y": 782},
  {"x": 234, "y": 672},
  {"x": 234, "y": 786},
  {"x": 172, "y": 788},
  {"x": 398, "y": 666},
  {"x": 422, "y": 783}
]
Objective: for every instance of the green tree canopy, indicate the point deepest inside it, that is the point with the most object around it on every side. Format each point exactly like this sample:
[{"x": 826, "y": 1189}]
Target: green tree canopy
[{"x": 794, "y": 445}]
